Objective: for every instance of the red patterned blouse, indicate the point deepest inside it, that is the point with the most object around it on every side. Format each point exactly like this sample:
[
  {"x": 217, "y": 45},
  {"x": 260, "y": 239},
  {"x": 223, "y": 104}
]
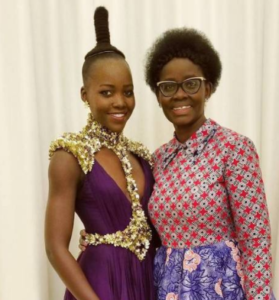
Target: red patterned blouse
[{"x": 210, "y": 189}]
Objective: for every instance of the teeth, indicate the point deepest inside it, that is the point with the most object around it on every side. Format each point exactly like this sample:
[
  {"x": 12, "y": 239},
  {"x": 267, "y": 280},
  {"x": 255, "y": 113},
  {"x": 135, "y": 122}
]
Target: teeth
[
  {"x": 182, "y": 107},
  {"x": 119, "y": 115}
]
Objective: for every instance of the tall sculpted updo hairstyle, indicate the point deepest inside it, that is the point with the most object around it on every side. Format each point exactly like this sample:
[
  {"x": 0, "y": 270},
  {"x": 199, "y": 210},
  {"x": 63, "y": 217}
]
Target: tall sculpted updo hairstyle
[{"x": 103, "y": 48}]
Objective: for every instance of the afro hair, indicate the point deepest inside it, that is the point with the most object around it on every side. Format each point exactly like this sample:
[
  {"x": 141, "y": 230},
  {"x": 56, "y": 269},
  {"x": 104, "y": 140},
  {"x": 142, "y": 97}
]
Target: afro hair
[{"x": 182, "y": 43}]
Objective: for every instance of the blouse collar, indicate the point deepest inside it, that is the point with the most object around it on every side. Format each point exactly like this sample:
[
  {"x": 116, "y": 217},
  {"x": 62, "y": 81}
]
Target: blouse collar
[{"x": 194, "y": 145}]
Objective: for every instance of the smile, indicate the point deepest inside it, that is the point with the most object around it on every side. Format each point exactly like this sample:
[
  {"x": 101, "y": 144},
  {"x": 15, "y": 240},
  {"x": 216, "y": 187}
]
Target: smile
[
  {"x": 118, "y": 116},
  {"x": 181, "y": 110},
  {"x": 181, "y": 107}
]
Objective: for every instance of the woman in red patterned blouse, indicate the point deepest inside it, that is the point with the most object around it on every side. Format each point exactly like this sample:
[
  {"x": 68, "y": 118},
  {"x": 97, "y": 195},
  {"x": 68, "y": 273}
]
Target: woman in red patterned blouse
[{"x": 208, "y": 203}]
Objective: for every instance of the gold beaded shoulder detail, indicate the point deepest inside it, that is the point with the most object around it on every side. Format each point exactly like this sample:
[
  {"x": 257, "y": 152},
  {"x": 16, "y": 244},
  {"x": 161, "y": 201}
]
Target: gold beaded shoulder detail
[
  {"x": 85, "y": 144},
  {"x": 140, "y": 150},
  {"x": 79, "y": 146}
]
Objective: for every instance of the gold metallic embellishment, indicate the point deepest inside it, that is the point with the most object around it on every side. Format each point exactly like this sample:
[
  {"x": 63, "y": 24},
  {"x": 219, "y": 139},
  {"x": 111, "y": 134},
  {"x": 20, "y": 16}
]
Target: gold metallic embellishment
[{"x": 137, "y": 235}]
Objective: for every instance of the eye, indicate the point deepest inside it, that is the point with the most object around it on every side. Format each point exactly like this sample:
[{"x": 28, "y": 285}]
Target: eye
[
  {"x": 168, "y": 86},
  {"x": 129, "y": 93},
  {"x": 106, "y": 93},
  {"x": 191, "y": 84}
]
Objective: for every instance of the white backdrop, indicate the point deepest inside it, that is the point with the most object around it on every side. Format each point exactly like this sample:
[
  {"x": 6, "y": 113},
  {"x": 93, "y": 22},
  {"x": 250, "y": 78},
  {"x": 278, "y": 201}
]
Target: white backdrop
[{"x": 42, "y": 45}]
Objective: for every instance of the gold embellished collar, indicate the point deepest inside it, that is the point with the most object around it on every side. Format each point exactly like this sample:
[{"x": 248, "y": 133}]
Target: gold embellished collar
[
  {"x": 86, "y": 143},
  {"x": 102, "y": 133}
]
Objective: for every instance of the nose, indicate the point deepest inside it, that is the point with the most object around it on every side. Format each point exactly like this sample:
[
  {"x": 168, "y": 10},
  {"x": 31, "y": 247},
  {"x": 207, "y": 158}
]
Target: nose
[
  {"x": 119, "y": 101},
  {"x": 180, "y": 94}
]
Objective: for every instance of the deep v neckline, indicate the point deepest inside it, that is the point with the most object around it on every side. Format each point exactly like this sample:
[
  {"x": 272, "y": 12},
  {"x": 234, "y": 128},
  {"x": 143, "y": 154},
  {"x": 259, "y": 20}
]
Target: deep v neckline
[{"x": 118, "y": 187}]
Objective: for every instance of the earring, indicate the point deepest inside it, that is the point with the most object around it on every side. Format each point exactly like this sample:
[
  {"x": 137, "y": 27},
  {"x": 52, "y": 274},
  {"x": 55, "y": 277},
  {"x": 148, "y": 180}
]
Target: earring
[{"x": 86, "y": 104}]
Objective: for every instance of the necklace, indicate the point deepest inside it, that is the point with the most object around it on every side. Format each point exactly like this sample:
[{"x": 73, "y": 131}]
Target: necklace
[{"x": 137, "y": 235}]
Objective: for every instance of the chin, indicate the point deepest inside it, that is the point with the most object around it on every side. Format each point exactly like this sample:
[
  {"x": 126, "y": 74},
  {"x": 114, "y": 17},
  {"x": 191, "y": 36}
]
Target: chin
[
  {"x": 115, "y": 128},
  {"x": 184, "y": 122},
  {"x": 181, "y": 120}
]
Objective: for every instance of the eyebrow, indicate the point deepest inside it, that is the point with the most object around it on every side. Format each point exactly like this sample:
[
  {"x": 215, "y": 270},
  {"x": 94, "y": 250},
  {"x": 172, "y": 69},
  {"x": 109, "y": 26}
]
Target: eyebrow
[
  {"x": 111, "y": 85},
  {"x": 187, "y": 77},
  {"x": 107, "y": 84}
]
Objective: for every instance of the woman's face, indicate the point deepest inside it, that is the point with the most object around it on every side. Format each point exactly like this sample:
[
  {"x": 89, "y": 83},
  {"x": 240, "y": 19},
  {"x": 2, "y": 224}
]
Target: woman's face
[
  {"x": 182, "y": 109},
  {"x": 109, "y": 91}
]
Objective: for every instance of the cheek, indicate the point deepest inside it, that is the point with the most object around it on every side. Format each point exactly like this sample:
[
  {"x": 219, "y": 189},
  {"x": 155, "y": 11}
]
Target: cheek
[
  {"x": 160, "y": 100},
  {"x": 94, "y": 111},
  {"x": 164, "y": 104},
  {"x": 203, "y": 100},
  {"x": 97, "y": 107},
  {"x": 166, "y": 110},
  {"x": 199, "y": 98},
  {"x": 132, "y": 104}
]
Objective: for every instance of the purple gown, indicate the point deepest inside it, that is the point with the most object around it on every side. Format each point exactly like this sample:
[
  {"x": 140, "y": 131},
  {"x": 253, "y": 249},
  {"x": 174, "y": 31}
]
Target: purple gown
[{"x": 113, "y": 272}]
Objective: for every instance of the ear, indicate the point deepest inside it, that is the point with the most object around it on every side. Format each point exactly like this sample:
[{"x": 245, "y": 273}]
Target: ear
[
  {"x": 208, "y": 89},
  {"x": 83, "y": 94}
]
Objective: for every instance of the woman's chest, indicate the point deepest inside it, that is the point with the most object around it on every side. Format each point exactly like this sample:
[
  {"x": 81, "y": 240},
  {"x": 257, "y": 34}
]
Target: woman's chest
[{"x": 189, "y": 184}]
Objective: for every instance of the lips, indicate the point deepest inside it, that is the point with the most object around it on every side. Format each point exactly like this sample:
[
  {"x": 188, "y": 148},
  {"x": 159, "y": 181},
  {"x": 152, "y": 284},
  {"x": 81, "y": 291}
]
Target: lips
[
  {"x": 182, "y": 107},
  {"x": 118, "y": 115},
  {"x": 181, "y": 110}
]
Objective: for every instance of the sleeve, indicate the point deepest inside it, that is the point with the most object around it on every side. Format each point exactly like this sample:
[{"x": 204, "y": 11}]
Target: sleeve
[{"x": 250, "y": 214}]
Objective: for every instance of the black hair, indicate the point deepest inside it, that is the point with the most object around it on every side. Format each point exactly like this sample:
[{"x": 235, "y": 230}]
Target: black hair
[
  {"x": 103, "y": 48},
  {"x": 183, "y": 43},
  {"x": 89, "y": 62}
]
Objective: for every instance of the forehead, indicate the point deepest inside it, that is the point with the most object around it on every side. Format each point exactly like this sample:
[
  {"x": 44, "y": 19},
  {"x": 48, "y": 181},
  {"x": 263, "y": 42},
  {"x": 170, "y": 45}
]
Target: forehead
[
  {"x": 110, "y": 70},
  {"x": 179, "y": 69}
]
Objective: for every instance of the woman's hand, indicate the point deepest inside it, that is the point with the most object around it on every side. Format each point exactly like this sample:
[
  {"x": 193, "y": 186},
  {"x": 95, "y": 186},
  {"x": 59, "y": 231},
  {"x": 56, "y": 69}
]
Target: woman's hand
[{"x": 82, "y": 243}]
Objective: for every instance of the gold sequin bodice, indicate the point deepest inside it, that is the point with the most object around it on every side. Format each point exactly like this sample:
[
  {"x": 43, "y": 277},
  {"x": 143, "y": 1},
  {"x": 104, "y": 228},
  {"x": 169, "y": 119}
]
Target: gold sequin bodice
[{"x": 83, "y": 145}]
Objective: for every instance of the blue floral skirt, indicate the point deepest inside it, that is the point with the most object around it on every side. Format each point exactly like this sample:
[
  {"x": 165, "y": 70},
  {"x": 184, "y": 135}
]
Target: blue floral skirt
[{"x": 211, "y": 272}]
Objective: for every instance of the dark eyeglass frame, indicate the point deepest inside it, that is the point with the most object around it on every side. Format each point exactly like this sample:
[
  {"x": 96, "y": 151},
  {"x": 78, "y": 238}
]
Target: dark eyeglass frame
[{"x": 180, "y": 84}]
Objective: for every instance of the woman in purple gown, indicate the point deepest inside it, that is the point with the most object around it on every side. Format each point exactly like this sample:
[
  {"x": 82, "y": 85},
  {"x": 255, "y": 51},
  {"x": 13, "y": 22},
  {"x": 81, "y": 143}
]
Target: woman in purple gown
[{"x": 107, "y": 180}]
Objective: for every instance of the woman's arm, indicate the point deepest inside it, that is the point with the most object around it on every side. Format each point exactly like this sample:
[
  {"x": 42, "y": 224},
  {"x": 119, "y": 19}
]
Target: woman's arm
[
  {"x": 64, "y": 178},
  {"x": 248, "y": 204}
]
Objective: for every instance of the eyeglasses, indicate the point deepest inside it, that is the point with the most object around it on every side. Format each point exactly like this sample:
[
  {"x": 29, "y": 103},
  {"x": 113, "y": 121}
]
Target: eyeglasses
[{"x": 189, "y": 86}]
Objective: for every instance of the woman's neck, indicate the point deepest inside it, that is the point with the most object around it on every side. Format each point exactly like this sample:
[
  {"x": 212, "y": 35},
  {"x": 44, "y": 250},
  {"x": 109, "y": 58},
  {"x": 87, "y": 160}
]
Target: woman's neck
[{"x": 184, "y": 132}]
